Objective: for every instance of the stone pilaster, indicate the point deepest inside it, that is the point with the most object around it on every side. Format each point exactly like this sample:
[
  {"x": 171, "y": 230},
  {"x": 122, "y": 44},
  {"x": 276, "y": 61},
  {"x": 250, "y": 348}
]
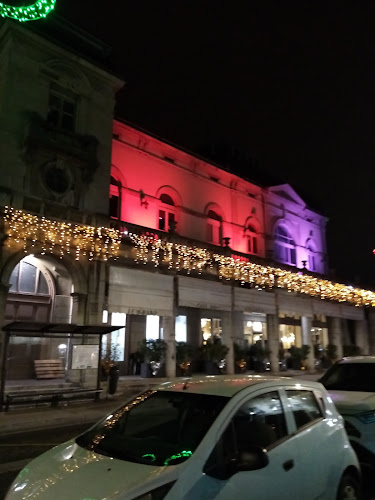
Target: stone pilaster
[
  {"x": 273, "y": 341},
  {"x": 307, "y": 340},
  {"x": 371, "y": 332},
  {"x": 361, "y": 335},
  {"x": 227, "y": 339},
  {"x": 169, "y": 337},
  {"x": 335, "y": 334}
]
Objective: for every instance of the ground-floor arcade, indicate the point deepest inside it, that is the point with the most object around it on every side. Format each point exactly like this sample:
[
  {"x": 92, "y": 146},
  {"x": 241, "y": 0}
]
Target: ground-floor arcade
[{"x": 153, "y": 304}]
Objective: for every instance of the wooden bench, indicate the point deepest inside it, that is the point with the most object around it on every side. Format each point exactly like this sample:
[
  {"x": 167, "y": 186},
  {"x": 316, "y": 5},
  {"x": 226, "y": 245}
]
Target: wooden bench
[
  {"x": 49, "y": 368},
  {"x": 53, "y": 397}
]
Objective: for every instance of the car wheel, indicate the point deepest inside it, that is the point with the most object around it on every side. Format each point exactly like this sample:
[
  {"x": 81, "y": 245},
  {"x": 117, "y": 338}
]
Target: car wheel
[{"x": 349, "y": 488}]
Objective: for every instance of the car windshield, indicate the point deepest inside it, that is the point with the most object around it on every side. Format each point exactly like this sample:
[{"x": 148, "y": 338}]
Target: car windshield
[
  {"x": 350, "y": 377},
  {"x": 156, "y": 428}
]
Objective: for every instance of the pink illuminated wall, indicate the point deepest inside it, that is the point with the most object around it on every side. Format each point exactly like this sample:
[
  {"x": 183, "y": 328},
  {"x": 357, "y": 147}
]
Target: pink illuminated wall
[{"x": 207, "y": 203}]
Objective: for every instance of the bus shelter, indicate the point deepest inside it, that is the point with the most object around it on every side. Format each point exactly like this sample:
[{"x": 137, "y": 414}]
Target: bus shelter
[{"x": 34, "y": 352}]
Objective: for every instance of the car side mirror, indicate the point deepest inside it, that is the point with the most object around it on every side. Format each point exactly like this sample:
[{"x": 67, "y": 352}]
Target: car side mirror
[{"x": 253, "y": 458}]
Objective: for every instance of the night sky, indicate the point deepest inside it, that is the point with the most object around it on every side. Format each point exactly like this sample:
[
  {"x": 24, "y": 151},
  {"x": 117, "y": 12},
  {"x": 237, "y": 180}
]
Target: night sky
[{"x": 289, "y": 83}]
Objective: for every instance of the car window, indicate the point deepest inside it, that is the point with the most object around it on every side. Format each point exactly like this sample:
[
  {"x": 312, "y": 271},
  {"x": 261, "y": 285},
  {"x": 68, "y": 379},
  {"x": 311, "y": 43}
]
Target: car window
[
  {"x": 350, "y": 377},
  {"x": 156, "y": 428},
  {"x": 259, "y": 422},
  {"x": 304, "y": 406}
]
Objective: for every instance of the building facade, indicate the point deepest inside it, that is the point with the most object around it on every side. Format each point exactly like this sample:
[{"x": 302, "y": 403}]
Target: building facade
[{"x": 107, "y": 224}]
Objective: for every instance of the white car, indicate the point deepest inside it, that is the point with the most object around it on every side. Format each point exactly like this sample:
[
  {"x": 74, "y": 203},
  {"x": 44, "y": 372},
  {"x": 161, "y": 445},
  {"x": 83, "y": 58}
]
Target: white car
[
  {"x": 220, "y": 437},
  {"x": 351, "y": 384}
]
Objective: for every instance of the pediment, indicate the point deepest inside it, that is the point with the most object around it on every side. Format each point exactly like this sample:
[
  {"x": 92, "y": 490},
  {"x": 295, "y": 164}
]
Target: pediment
[{"x": 288, "y": 193}]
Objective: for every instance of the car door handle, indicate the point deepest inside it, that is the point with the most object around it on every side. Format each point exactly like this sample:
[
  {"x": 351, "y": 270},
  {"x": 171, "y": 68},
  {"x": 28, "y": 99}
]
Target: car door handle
[{"x": 289, "y": 464}]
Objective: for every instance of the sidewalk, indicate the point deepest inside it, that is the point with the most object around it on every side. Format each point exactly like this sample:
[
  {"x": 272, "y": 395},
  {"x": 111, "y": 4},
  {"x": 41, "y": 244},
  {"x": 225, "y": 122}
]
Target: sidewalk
[{"x": 18, "y": 420}]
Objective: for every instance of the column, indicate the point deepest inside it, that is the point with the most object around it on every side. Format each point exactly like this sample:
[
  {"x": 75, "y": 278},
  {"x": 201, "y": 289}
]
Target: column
[
  {"x": 227, "y": 338},
  {"x": 193, "y": 327},
  {"x": 371, "y": 332},
  {"x": 96, "y": 291},
  {"x": 307, "y": 340},
  {"x": 273, "y": 341},
  {"x": 335, "y": 334},
  {"x": 3, "y": 346},
  {"x": 79, "y": 308},
  {"x": 169, "y": 337},
  {"x": 361, "y": 335}
]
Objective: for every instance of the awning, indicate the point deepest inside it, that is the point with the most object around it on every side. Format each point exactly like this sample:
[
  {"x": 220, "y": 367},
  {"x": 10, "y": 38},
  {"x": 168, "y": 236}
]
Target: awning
[{"x": 34, "y": 329}]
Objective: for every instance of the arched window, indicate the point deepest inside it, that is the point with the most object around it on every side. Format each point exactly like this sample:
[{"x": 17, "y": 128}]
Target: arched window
[
  {"x": 27, "y": 278},
  {"x": 214, "y": 228},
  {"x": 115, "y": 199},
  {"x": 285, "y": 247},
  {"x": 252, "y": 240},
  {"x": 167, "y": 213},
  {"x": 311, "y": 258}
]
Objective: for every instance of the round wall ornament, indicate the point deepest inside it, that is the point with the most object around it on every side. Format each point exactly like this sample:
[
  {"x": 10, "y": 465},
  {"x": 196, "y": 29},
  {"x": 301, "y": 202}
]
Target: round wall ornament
[{"x": 29, "y": 12}]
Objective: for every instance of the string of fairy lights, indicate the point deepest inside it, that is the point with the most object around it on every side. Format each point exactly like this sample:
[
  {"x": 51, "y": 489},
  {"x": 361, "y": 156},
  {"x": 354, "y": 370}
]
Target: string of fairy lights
[
  {"x": 22, "y": 13},
  {"x": 103, "y": 243},
  {"x": 60, "y": 237},
  {"x": 151, "y": 249}
]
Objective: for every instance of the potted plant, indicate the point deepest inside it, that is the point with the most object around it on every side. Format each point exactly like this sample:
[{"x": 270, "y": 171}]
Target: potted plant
[
  {"x": 184, "y": 356},
  {"x": 109, "y": 360},
  {"x": 239, "y": 358},
  {"x": 295, "y": 357},
  {"x": 330, "y": 355},
  {"x": 213, "y": 354},
  {"x": 259, "y": 353},
  {"x": 152, "y": 352},
  {"x": 305, "y": 351}
]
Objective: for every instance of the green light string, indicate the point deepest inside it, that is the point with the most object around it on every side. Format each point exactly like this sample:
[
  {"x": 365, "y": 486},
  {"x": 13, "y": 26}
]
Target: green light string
[
  {"x": 36, "y": 10},
  {"x": 151, "y": 456},
  {"x": 184, "y": 453}
]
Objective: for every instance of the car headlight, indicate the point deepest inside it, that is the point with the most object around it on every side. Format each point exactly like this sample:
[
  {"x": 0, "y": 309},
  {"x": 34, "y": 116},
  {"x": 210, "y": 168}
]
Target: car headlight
[
  {"x": 157, "y": 493},
  {"x": 367, "y": 418}
]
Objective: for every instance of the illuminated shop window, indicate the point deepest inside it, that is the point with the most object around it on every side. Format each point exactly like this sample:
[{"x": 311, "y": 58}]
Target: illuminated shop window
[
  {"x": 61, "y": 108},
  {"x": 180, "y": 329},
  {"x": 254, "y": 331},
  {"x": 167, "y": 213},
  {"x": 152, "y": 327},
  {"x": 211, "y": 329},
  {"x": 252, "y": 240},
  {"x": 290, "y": 335},
  {"x": 214, "y": 228},
  {"x": 114, "y": 199},
  {"x": 118, "y": 336},
  {"x": 285, "y": 248}
]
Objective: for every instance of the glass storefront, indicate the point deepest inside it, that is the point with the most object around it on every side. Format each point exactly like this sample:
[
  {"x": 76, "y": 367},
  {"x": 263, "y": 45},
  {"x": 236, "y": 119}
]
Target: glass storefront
[{"x": 211, "y": 329}]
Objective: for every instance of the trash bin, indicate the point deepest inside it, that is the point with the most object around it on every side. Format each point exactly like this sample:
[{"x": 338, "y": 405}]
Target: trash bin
[{"x": 113, "y": 377}]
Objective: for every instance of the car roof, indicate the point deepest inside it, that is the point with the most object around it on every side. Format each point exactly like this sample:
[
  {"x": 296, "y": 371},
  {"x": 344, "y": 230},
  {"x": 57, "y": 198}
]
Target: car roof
[
  {"x": 229, "y": 385},
  {"x": 357, "y": 359}
]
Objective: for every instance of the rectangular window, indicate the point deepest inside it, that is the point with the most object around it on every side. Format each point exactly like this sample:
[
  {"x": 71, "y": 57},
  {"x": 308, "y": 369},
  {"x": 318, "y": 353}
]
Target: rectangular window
[
  {"x": 304, "y": 406},
  {"x": 114, "y": 207},
  {"x": 210, "y": 233},
  {"x": 61, "y": 108},
  {"x": 171, "y": 220},
  {"x": 180, "y": 328},
  {"x": 162, "y": 220},
  {"x": 312, "y": 262},
  {"x": 118, "y": 336},
  {"x": 152, "y": 327}
]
